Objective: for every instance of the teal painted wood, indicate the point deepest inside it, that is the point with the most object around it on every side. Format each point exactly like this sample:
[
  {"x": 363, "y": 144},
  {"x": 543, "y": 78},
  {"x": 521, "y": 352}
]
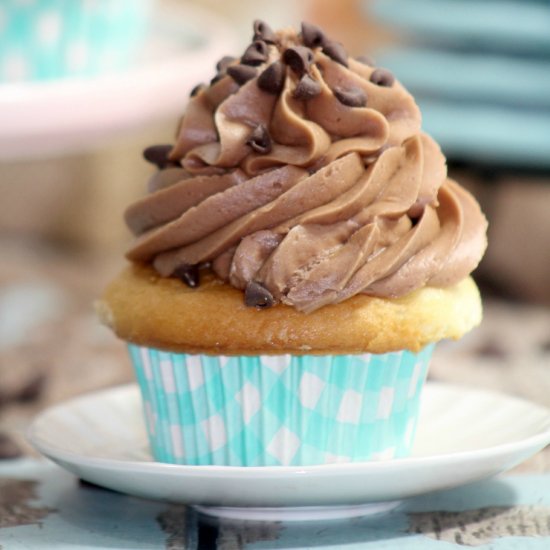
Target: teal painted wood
[
  {"x": 479, "y": 77},
  {"x": 479, "y": 72},
  {"x": 504, "y": 24},
  {"x": 502, "y": 514}
]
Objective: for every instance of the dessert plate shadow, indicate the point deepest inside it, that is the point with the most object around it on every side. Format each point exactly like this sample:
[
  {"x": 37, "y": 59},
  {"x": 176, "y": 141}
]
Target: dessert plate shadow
[{"x": 464, "y": 435}]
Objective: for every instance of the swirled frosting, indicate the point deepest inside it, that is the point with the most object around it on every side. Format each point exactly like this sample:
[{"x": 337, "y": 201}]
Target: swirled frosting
[{"x": 302, "y": 176}]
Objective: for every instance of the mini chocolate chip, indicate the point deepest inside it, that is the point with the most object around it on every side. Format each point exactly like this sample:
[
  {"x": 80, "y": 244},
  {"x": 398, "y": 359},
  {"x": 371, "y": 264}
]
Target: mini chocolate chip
[
  {"x": 352, "y": 97},
  {"x": 307, "y": 88},
  {"x": 313, "y": 36},
  {"x": 260, "y": 140},
  {"x": 258, "y": 296},
  {"x": 272, "y": 79},
  {"x": 241, "y": 73},
  {"x": 336, "y": 52},
  {"x": 262, "y": 31},
  {"x": 217, "y": 78},
  {"x": 158, "y": 154},
  {"x": 255, "y": 54},
  {"x": 189, "y": 274},
  {"x": 299, "y": 59},
  {"x": 8, "y": 448},
  {"x": 365, "y": 60},
  {"x": 224, "y": 62},
  {"x": 382, "y": 77},
  {"x": 198, "y": 88}
]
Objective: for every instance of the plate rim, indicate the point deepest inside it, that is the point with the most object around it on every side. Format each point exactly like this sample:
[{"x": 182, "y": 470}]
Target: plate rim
[{"x": 537, "y": 441}]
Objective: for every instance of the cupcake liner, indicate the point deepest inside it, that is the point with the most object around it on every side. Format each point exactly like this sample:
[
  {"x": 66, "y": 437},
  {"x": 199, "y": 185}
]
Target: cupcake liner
[
  {"x": 279, "y": 410},
  {"x": 48, "y": 39}
]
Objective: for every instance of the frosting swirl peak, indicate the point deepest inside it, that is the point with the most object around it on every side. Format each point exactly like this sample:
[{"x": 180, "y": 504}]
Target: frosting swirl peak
[{"x": 303, "y": 172}]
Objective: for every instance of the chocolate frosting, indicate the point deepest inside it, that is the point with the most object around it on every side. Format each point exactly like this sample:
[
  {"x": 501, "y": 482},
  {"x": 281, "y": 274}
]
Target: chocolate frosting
[{"x": 311, "y": 178}]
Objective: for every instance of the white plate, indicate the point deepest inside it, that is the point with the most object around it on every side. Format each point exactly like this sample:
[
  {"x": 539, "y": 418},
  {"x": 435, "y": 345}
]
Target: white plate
[
  {"x": 464, "y": 435},
  {"x": 68, "y": 115}
]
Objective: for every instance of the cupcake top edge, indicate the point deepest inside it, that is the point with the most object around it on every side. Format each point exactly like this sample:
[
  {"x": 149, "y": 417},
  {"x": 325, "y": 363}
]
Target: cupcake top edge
[{"x": 302, "y": 176}]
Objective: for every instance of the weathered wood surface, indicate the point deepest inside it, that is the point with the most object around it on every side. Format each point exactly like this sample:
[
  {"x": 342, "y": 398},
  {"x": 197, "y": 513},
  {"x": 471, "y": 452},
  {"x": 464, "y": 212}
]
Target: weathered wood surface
[{"x": 44, "y": 507}]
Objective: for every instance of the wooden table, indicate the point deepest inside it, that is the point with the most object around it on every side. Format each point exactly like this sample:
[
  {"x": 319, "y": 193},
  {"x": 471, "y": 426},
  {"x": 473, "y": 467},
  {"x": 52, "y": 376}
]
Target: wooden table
[{"x": 43, "y": 507}]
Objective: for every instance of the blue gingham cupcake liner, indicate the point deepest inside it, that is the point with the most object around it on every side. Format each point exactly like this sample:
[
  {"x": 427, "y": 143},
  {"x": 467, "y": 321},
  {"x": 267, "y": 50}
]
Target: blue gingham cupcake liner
[
  {"x": 279, "y": 410},
  {"x": 48, "y": 39}
]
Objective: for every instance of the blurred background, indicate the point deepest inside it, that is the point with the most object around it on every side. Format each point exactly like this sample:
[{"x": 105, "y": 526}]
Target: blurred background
[{"x": 86, "y": 85}]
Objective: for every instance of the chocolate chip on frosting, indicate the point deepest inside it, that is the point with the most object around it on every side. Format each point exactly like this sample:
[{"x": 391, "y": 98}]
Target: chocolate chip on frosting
[
  {"x": 307, "y": 88},
  {"x": 299, "y": 59},
  {"x": 336, "y": 52},
  {"x": 217, "y": 78},
  {"x": 313, "y": 36},
  {"x": 197, "y": 89},
  {"x": 382, "y": 77},
  {"x": 241, "y": 73},
  {"x": 255, "y": 54},
  {"x": 352, "y": 97},
  {"x": 260, "y": 140},
  {"x": 189, "y": 274},
  {"x": 224, "y": 62},
  {"x": 158, "y": 154},
  {"x": 258, "y": 296},
  {"x": 365, "y": 60},
  {"x": 262, "y": 31},
  {"x": 272, "y": 79}
]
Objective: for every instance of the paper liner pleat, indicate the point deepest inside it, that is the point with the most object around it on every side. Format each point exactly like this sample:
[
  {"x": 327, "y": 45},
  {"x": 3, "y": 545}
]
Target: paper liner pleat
[{"x": 279, "y": 410}]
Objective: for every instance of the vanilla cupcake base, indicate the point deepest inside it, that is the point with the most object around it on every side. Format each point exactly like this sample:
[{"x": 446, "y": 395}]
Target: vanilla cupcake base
[
  {"x": 163, "y": 313},
  {"x": 225, "y": 384},
  {"x": 279, "y": 410}
]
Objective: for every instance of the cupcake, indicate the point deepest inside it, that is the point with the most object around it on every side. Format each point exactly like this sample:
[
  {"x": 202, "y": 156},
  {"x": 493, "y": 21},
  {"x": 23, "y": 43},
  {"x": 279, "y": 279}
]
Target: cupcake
[
  {"x": 299, "y": 252},
  {"x": 51, "y": 39}
]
